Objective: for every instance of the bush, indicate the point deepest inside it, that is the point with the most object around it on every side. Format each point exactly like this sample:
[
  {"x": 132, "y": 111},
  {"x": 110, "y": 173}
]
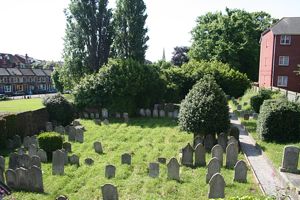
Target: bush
[
  {"x": 59, "y": 109},
  {"x": 257, "y": 100},
  {"x": 204, "y": 110},
  {"x": 50, "y": 141},
  {"x": 121, "y": 86},
  {"x": 279, "y": 121}
]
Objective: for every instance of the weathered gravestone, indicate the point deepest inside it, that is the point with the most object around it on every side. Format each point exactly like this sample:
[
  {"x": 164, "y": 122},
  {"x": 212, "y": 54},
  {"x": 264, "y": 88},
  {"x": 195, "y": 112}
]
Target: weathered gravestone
[
  {"x": 98, "y": 147},
  {"x": 148, "y": 112},
  {"x": 104, "y": 113},
  {"x": 187, "y": 156},
  {"x": 231, "y": 155},
  {"x": 67, "y": 146},
  {"x": 213, "y": 167},
  {"x": 155, "y": 113},
  {"x": 89, "y": 161},
  {"x": 13, "y": 161},
  {"x": 36, "y": 161},
  {"x": 85, "y": 115},
  {"x": 216, "y": 187},
  {"x": 59, "y": 129},
  {"x": 222, "y": 140},
  {"x": 36, "y": 180},
  {"x": 92, "y": 116},
  {"x": 126, "y": 159},
  {"x": 200, "y": 155},
  {"x": 97, "y": 115},
  {"x": 118, "y": 115},
  {"x": 109, "y": 192},
  {"x": 126, "y": 117},
  {"x": 217, "y": 151},
  {"x": 173, "y": 169},
  {"x": 22, "y": 178},
  {"x": 24, "y": 161},
  {"x": 175, "y": 114},
  {"x": 11, "y": 178},
  {"x": 2, "y": 163},
  {"x": 32, "y": 150},
  {"x": 17, "y": 141},
  {"x": 72, "y": 133},
  {"x": 21, "y": 150},
  {"x": 162, "y": 113},
  {"x": 49, "y": 126},
  {"x": 170, "y": 114},
  {"x": 209, "y": 142},
  {"x": 105, "y": 122},
  {"x": 74, "y": 160},
  {"x": 1, "y": 175},
  {"x": 240, "y": 172},
  {"x": 290, "y": 160},
  {"x": 153, "y": 170},
  {"x": 142, "y": 112},
  {"x": 26, "y": 142},
  {"x": 162, "y": 160},
  {"x": 43, "y": 155},
  {"x": 58, "y": 162},
  {"x": 198, "y": 140},
  {"x": 110, "y": 171},
  {"x": 79, "y": 134},
  {"x": 66, "y": 160},
  {"x": 233, "y": 140}
]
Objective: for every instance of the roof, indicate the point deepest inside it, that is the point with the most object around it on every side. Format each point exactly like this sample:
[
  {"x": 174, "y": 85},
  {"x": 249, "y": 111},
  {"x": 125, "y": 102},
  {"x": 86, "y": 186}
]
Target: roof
[
  {"x": 38, "y": 72},
  {"x": 3, "y": 72},
  {"x": 14, "y": 71},
  {"x": 48, "y": 72},
  {"x": 27, "y": 72},
  {"x": 286, "y": 26}
]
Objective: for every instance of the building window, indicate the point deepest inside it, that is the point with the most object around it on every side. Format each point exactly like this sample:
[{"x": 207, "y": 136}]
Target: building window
[
  {"x": 284, "y": 60},
  {"x": 285, "y": 40},
  {"x": 7, "y": 88},
  {"x": 282, "y": 81}
]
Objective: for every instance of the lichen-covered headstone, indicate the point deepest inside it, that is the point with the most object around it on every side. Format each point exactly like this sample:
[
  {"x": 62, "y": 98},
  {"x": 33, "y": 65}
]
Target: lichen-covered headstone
[
  {"x": 110, "y": 171},
  {"x": 98, "y": 147},
  {"x": 126, "y": 159},
  {"x": 153, "y": 170},
  {"x": 231, "y": 155},
  {"x": 240, "y": 172},
  {"x": 213, "y": 167},
  {"x": 216, "y": 187},
  {"x": 109, "y": 192},
  {"x": 217, "y": 151},
  {"x": 200, "y": 155},
  {"x": 290, "y": 159},
  {"x": 187, "y": 156},
  {"x": 173, "y": 169},
  {"x": 58, "y": 162}
]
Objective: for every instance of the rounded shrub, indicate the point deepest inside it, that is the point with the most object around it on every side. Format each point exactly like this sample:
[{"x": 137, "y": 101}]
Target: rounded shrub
[
  {"x": 50, "y": 141},
  {"x": 204, "y": 110},
  {"x": 279, "y": 121},
  {"x": 257, "y": 100},
  {"x": 59, "y": 109}
]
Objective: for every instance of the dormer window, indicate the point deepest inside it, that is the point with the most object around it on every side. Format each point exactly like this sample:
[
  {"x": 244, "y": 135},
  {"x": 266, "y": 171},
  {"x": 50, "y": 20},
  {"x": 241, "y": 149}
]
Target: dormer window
[{"x": 285, "y": 40}]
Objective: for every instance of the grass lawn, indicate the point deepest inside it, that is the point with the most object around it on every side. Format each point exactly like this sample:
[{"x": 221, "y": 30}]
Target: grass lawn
[
  {"x": 146, "y": 140},
  {"x": 20, "y": 105}
]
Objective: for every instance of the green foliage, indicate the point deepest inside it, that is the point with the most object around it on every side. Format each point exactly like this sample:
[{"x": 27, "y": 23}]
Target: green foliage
[
  {"x": 235, "y": 132},
  {"x": 231, "y": 38},
  {"x": 55, "y": 78},
  {"x": 257, "y": 100},
  {"x": 180, "y": 55},
  {"x": 130, "y": 32},
  {"x": 50, "y": 141},
  {"x": 121, "y": 86},
  {"x": 279, "y": 121},
  {"x": 59, "y": 109},
  {"x": 205, "y": 109}
]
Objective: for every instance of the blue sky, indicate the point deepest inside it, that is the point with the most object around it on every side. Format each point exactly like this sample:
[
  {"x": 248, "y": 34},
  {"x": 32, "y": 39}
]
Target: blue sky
[{"x": 36, "y": 27}]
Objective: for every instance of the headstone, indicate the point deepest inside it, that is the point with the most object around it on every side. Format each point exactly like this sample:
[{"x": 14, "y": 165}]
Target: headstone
[
  {"x": 33, "y": 140},
  {"x": 239, "y": 107},
  {"x": 67, "y": 146},
  {"x": 216, "y": 187},
  {"x": 24, "y": 161},
  {"x": 240, "y": 172},
  {"x": 175, "y": 114},
  {"x": 74, "y": 160},
  {"x": 148, "y": 112},
  {"x": 233, "y": 140},
  {"x": 89, "y": 161},
  {"x": 126, "y": 159},
  {"x": 162, "y": 113},
  {"x": 49, "y": 126},
  {"x": 61, "y": 197},
  {"x": 162, "y": 160},
  {"x": 109, "y": 192},
  {"x": 213, "y": 167},
  {"x": 209, "y": 142},
  {"x": 126, "y": 117},
  {"x": 2, "y": 176},
  {"x": 98, "y": 147},
  {"x": 173, "y": 169},
  {"x": 290, "y": 159},
  {"x": 79, "y": 135},
  {"x": 36, "y": 161},
  {"x": 22, "y": 178},
  {"x": 97, "y": 116},
  {"x": 36, "y": 179},
  {"x": 105, "y": 122},
  {"x": 142, "y": 112},
  {"x": 187, "y": 156},
  {"x": 58, "y": 160},
  {"x": 217, "y": 151},
  {"x": 246, "y": 116},
  {"x": 66, "y": 160},
  {"x": 231, "y": 155},
  {"x": 200, "y": 155},
  {"x": 92, "y": 115},
  {"x": 2, "y": 163},
  {"x": 85, "y": 115},
  {"x": 153, "y": 170},
  {"x": 155, "y": 113},
  {"x": 13, "y": 161},
  {"x": 26, "y": 141},
  {"x": 110, "y": 171},
  {"x": 59, "y": 129},
  {"x": 104, "y": 113},
  {"x": 11, "y": 178},
  {"x": 43, "y": 155},
  {"x": 198, "y": 140},
  {"x": 32, "y": 150},
  {"x": 222, "y": 140},
  {"x": 17, "y": 141},
  {"x": 118, "y": 115},
  {"x": 72, "y": 133},
  {"x": 170, "y": 114}
]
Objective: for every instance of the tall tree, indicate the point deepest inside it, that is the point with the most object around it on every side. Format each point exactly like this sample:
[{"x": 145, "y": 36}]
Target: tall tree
[
  {"x": 88, "y": 36},
  {"x": 180, "y": 55},
  {"x": 231, "y": 38},
  {"x": 130, "y": 32}
]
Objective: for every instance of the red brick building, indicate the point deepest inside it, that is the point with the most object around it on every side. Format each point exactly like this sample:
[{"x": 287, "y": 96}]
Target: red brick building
[{"x": 280, "y": 55}]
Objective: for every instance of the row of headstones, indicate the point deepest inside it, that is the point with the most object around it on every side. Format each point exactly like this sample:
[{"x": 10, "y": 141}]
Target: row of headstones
[
  {"x": 290, "y": 160},
  {"x": 245, "y": 114},
  {"x": 157, "y": 113},
  {"x": 16, "y": 141},
  {"x": 105, "y": 115}
]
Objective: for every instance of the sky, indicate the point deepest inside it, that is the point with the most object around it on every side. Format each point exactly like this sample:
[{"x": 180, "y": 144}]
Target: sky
[{"x": 37, "y": 27}]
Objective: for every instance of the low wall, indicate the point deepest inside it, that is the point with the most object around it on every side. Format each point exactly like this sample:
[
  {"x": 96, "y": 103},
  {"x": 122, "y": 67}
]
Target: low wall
[{"x": 22, "y": 124}]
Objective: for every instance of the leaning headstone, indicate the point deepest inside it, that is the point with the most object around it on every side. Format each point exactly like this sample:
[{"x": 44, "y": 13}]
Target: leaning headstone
[
  {"x": 173, "y": 169},
  {"x": 98, "y": 147},
  {"x": 217, "y": 151},
  {"x": 200, "y": 155},
  {"x": 22, "y": 178},
  {"x": 59, "y": 129},
  {"x": 72, "y": 133},
  {"x": 110, "y": 171},
  {"x": 213, "y": 167},
  {"x": 2, "y": 163},
  {"x": 231, "y": 155},
  {"x": 104, "y": 113},
  {"x": 36, "y": 180},
  {"x": 79, "y": 135},
  {"x": 26, "y": 142},
  {"x": 187, "y": 156},
  {"x": 216, "y": 187},
  {"x": 67, "y": 146},
  {"x": 89, "y": 161},
  {"x": 32, "y": 150},
  {"x": 109, "y": 192},
  {"x": 36, "y": 161},
  {"x": 43, "y": 155},
  {"x": 58, "y": 160},
  {"x": 126, "y": 159},
  {"x": 11, "y": 178},
  {"x": 162, "y": 113},
  {"x": 153, "y": 170},
  {"x": 49, "y": 126},
  {"x": 290, "y": 160},
  {"x": 13, "y": 161},
  {"x": 198, "y": 140},
  {"x": 142, "y": 112},
  {"x": 222, "y": 140},
  {"x": 148, "y": 112},
  {"x": 74, "y": 160},
  {"x": 162, "y": 160},
  {"x": 155, "y": 113},
  {"x": 126, "y": 117},
  {"x": 240, "y": 172},
  {"x": 209, "y": 142}
]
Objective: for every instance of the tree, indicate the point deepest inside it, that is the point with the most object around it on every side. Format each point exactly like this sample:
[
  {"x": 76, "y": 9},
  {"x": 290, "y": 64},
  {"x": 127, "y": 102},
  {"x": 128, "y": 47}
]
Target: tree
[
  {"x": 130, "y": 32},
  {"x": 57, "y": 83},
  {"x": 231, "y": 38},
  {"x": 88, "y": 36},
  {"x": 180, "y": 55}
]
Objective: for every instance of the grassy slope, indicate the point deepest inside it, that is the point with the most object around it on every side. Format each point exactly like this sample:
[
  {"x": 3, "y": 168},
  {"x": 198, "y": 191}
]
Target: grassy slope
[
  {"x": 146, "y": 140},
  {"x": 20, "y": 105}
]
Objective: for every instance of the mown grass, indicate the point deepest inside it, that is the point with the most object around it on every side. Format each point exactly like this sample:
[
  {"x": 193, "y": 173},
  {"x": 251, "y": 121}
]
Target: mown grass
[
  {"x": 20, "y": 105},
  {"x": 146, "y": 140}
]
